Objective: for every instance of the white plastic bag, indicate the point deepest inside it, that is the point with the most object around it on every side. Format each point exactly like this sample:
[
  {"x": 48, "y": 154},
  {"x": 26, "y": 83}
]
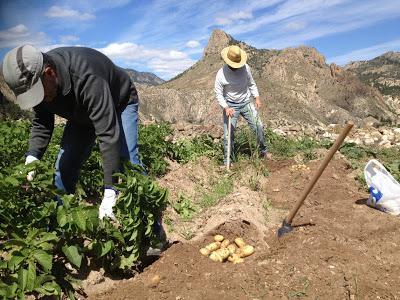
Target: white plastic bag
[{"x": 384, "y": 189}]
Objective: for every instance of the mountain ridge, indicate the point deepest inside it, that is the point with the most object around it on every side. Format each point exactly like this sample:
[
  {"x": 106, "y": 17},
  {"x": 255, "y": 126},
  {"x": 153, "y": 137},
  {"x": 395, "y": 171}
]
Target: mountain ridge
[
  {"x": 382, "y": 73},
  {"x": 144, "y": 77},
  {"x": 297, "y": 85}
]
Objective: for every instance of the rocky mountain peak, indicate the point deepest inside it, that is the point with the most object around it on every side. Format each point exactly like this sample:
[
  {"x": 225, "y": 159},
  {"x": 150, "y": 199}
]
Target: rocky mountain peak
[
  {"x": 392, "y": 55},
  {"x": 218, "y": 41}
]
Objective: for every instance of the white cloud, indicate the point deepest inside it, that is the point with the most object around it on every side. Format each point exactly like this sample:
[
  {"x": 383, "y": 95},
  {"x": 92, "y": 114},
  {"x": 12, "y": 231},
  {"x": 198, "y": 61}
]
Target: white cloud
[
  {"x": 20, "y": 35},
  {"x": 95, "y": 5},
  {"x": 166, "y": 63},
  {"x": 222, "y": 21},
  {"x": 295, "y": 26},
  {"x": 234, "y": 17},
  {"x": 192, "y": 44},
  {"x": 65, "y": 39},
  {"x": 366, "y": 53},
  {"x": 197, "y": 17},
  {"x": 63, "y": 12},
  {"x": 241, "y": 15},
  {"x": 169, "y": 69},
  {"x": 288, "y": 9},
  {"x": 293, "y": 23},
  {"x": 19, "y": 30}
]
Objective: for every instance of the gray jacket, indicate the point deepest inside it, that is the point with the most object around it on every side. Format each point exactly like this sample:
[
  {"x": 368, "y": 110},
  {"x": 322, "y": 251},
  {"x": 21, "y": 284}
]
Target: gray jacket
[{"x": 92, "y": 92}]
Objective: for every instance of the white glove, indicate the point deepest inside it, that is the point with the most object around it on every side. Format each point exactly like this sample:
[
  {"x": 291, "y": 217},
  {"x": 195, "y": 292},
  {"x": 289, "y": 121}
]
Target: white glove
[
  {"x": 107, "y": 204},
  {"x": 28, "y": 160}
]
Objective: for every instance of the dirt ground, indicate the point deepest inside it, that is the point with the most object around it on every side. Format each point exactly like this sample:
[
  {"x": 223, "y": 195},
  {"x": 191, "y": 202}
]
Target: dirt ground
[{"x": 339, "y": 249}]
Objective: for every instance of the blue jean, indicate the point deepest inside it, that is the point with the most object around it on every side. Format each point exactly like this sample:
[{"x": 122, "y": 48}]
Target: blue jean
[
  {"x": 129, "y": 134},
  {"x": 250, "y": 114},
  {"x": 77, "y": 143}
]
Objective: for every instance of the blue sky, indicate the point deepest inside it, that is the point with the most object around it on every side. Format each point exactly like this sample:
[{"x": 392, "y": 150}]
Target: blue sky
[{"x": 167, "y": 37}]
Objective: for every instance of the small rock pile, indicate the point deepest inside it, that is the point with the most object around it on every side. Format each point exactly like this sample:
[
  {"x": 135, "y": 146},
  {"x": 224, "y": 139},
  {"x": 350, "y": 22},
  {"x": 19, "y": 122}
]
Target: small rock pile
[{"x": 368, "y": 133}]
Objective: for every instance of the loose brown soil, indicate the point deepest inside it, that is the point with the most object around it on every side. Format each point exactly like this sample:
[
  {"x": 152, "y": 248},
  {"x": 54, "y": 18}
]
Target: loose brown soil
[{"x": 339, "y": 249}]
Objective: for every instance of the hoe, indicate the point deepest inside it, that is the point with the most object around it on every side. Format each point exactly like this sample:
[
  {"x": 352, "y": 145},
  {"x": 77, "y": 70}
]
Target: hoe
[
  {"x": 228, "y": 157},
  {"x": 287, "y": 222}
]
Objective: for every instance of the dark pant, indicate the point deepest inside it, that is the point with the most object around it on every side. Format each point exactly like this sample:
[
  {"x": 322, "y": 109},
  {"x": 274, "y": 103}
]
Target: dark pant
[
  {"x": 77, "y": 143},
  {"x": 250, "y": 114}
]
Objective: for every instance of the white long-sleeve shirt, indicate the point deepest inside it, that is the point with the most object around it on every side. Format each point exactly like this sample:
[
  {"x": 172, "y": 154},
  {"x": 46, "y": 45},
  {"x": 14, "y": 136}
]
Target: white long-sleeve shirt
[{"x": 234, "y": 86}]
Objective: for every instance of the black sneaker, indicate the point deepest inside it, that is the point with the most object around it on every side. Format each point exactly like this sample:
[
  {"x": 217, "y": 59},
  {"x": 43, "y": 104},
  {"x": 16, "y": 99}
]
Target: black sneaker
[
  {"x": 162, "y": 238},
  {"x": 266, "y": 155}
]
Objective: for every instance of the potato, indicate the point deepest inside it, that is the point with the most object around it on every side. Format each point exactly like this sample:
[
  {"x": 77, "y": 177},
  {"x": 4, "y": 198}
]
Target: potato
[
  {"x": 225, "y": 243},
  {"x": 205, "y": 251},
  {"x": 219, "y": 255},
  {"x": 218, "y": 238},
  {"x": 214, "y": 256},
  {"x": 245, "y": 251},
  {"x": 213, "y": 246},
  {"x": 233, "y": 257},
  {"x": 239, "y": 252},
  {"x": 224, "y": 253},
  {"x": 240, "y": 242},
  {"x": 231, "y": 248},
  {"x": 238, "y": 261}
]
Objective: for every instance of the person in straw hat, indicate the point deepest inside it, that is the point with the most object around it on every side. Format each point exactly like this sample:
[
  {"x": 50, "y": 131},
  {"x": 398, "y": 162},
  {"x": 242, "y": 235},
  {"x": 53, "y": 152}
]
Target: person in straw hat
[
  {"x": 97, "y": 98},
  {"x": 234, "y": 89}
]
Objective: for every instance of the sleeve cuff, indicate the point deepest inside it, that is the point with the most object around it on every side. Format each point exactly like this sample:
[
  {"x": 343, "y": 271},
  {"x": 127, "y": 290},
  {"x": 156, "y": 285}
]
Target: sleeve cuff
[
  {"x": 110, "y": 187},
  {"x": 33, "y": 153}
]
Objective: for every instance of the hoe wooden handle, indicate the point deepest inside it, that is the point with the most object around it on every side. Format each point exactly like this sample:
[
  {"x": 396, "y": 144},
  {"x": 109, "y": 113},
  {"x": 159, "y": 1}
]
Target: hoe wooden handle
[
  {"x": 321, "y": 168},
  {"x": 228, "y": 157}
]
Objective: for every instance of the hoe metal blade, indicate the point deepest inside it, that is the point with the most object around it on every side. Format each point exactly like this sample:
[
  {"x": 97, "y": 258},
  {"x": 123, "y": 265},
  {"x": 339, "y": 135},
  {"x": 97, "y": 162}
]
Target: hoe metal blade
[{"x": 286, "y": 228}]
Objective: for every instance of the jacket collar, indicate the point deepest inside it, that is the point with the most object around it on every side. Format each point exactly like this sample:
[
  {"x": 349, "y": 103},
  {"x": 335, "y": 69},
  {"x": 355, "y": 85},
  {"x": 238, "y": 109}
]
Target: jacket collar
[{"x": 64, "y": 78}]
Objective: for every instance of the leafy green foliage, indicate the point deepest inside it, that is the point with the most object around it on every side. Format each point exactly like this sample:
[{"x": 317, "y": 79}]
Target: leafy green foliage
[
  {"x": 359, "y": 155},
  {"x": 12, "y": 150},
  {"x": 184, "y": 207},
  {"x": 154, "y": 147},
  {"x": 288, "y": 147},
  {"x": 91, "y": 176},
  {"x": 356, "y": 152},
  {"x": 27, "y": 264},
  {"x": 140, "y": 205},
  {"x": 245, "y": 143},
  {"x": 186, "y": 150},
  {"x": 220, "y": 189},
  {"x": 42, "y": 240},
  {"x": 280, "y": 146}
]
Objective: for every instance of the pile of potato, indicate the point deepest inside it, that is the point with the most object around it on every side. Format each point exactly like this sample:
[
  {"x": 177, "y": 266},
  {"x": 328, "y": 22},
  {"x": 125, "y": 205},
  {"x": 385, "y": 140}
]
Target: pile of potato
[{"x": 221, "y": 250}]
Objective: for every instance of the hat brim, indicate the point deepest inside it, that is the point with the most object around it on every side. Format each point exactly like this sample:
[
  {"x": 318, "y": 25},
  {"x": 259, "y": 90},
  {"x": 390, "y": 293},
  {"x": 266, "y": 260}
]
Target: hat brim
[
  {"x": 235, "y": 65},
  {"x": 32, "y": 97}
]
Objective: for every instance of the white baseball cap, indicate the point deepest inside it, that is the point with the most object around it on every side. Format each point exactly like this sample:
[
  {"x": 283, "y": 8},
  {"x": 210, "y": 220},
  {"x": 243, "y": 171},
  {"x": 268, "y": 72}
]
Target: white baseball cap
[{"x": 22, "y": 69}]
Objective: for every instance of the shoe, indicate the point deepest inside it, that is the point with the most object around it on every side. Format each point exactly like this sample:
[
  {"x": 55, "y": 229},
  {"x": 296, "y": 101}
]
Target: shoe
[
  {"x": 162, "y": 238},
  {"x": 224, "y": 167},
  {"x": 266, "y": 155}
]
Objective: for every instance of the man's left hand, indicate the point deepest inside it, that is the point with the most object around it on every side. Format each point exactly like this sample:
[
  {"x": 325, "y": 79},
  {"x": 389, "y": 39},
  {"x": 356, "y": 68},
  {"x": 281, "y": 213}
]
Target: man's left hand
[{"x": 258, "y": 102}]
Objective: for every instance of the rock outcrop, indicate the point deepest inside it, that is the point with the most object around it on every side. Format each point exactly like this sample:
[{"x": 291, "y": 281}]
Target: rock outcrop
[{"x": 382, "y": 73}]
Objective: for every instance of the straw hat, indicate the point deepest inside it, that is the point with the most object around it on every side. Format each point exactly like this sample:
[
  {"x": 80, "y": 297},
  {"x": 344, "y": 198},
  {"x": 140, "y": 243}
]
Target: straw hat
[{"x": 234, "y": 56}]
